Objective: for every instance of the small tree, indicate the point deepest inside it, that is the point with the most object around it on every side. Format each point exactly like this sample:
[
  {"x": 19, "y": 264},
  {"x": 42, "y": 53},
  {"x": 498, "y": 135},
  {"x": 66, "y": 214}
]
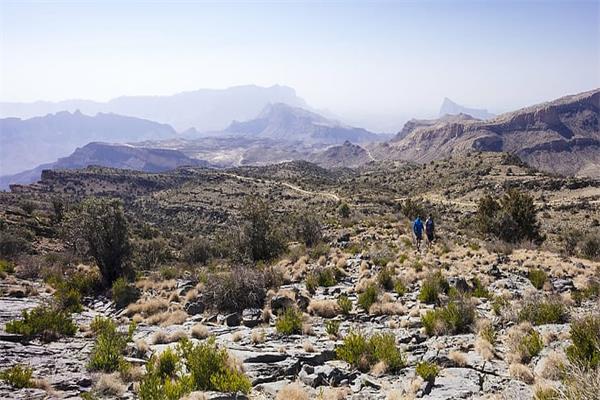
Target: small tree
[
  {"x": 308, "y": 230},
  {"x": 259, "y": 235},
  {"x": 512, "y": 219},
  {"x": 98, "y": 228}
]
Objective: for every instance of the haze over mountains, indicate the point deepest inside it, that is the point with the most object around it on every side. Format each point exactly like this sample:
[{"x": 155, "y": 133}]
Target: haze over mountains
[
  {"x": 39, "y": 140},
  {"x": 451, "y": 108},
  {"x": 560, "y": 136},
  {"x": 203, "y": 109}
]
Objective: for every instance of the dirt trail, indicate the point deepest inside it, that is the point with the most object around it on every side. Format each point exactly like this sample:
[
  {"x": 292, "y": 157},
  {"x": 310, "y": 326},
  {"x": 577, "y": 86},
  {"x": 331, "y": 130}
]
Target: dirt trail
[{"x": 329, "y": 195}]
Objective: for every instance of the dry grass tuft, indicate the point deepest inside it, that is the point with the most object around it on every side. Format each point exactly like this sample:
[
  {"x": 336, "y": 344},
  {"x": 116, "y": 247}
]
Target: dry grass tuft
[
  {"x": 236, "y": 336},
  {"x": 484, "y": 348},
  {"x": 383, "y": 308},
  {"x": 161, "y": 337},
  {"x": 324, "y": 308},
  {"x": 258, "y": 336},
  {"x": 552, "y": 366},
  {"x": 293, "y": 391},
  {"x": 379, "y": 369},
  {"x": 458, "y": 357},
  {"x": 200, "y": 331},
  {"x": 521, "y": 372},
  {"x": 147, "y": 307},
  {"x": 308, "y": 347},
  {"x": 110, "y": 385}
]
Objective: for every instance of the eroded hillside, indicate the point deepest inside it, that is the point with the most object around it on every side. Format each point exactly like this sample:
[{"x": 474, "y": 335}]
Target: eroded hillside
[{"x": 308, "y": 278}]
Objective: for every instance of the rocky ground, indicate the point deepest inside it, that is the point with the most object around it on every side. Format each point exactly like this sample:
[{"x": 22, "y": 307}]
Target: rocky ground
[
  {"x": 272, "y": 361},
  {"x": 485, "y": 361}
]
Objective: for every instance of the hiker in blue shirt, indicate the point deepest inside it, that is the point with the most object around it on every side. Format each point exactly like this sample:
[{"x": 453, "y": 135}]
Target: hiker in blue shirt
[
  {"x": 418, "y": 230},
  {"x": 429, "y": 230}
]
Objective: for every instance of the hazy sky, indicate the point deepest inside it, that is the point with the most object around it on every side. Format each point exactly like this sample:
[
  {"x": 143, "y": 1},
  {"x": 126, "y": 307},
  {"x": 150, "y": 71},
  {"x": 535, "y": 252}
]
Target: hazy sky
[{"x": 353, "y": 58}]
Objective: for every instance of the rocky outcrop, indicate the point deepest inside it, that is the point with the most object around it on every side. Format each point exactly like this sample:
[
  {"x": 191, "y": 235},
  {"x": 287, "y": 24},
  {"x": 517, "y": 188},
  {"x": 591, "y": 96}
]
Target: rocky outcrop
[{"x": 560, "y": 136}]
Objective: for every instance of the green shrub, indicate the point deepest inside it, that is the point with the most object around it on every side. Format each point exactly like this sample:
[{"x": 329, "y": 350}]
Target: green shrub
[
  {"x": 68, "y": 299},
  {"x": 344, "y": 210},
  {"x": 326, "y": 277},
  {"x": 345, "y": 304},
  {"x": 499, "y": 303},
  {"x": 157, "y": 385},
  {"x": 540, "y": 311},
  {"x": 362, "y": 352},
  {"x": 488, "y": 333},
  {"x": 318, "y": 250},
  {"x": 399, "y": 288},
  {"x": 546, "y": 394},
  {"x": 260, "y": 237},
  {"x": 13, "y": 243},
  {"x": 367, "y": 298},
  {"x": 107, "y": 353},
  {"x": 479, "y": 290},
  {"x": 17, "y": 376},
  {"x": 432, "y": 287},
  {"x": 197, "y": 251},
  {"x": 289, "y": 322},
  {"x": 167, "y": 364},
  {"x": 537, "y": 277},
  {"x": 6, "y": 267},
  {"x": 590, "y": 246},
  {"x": 312, "y": 282},
  {"x": 98, "y": 228},
  {"x": 512, "y": 219},
  {"x": 385, "y": 278},
  {"x": 428, "y": 371},
  {"x": 123, "y": 293},
  {"x": 530, "y": 345},
  {"x": 332, "y": 327},
  {"x": 412, "y": 208},
  {"x": 47, "y": 323},
  {"x": 308, "y": 229},
  {"x": 384, "y": 349},
  {"x": 455, "y": 318},
  {"x": 208, "y": 366},
  {"x": 585, "y": 335},
  {"x": 151, "y": 253}
]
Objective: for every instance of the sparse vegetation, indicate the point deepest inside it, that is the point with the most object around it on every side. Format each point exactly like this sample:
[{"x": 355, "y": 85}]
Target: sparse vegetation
[
  {"x": 345, "y": 304},
  {"x": 362, "y": 352},
  {"x": 235, "y": 290},
  {"x": 456, "y": 317},
  {"x": 99, "y": 228},
  {"x": 17, "y": 376},
  {"x": 47, "y": 323},
  {"x": 585, "y": 335},
  {"x": 541, "y": 311},
  {"x": 427, "y": 371},
  {"x": 367, "y": 298},
  {"x": 537, "y": 277},
  {"x": 289, "y": 322},
  {"x": 107, "y": 354},
  {"x": 434, "y": 285},
  {"x": 513, "y": 218}
]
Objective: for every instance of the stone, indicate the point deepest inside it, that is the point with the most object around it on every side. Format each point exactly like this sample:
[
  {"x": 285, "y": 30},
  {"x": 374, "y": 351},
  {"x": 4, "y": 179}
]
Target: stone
[
  {"x": 195, "y": 307},
  {"x": 233, "y": 319},
  {"x": 280, "y": 303},
  {"x": 251, "y": 317}
]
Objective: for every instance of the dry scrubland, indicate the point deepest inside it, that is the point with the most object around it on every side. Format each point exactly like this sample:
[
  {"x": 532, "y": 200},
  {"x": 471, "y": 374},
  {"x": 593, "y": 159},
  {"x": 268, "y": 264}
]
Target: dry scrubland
[{"x": 295, "y": 282}]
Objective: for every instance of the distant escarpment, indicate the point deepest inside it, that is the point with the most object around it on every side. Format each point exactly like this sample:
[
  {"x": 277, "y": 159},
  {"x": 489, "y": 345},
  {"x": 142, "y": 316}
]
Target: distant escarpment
[
  {"x": 561, "y": 136},
  {"x": 111, "y": 156}
]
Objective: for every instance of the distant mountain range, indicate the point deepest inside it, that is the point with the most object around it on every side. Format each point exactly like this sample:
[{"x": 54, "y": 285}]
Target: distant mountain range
[
  {"x": 204, "y": 109},
  {"x": 283, "y": 122},
  {"x": 451, "y": 108},
  {"x": 560, "y": 136},
  {"x": 30, "y": 142},
  {"x": 109, "y": 155}
]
